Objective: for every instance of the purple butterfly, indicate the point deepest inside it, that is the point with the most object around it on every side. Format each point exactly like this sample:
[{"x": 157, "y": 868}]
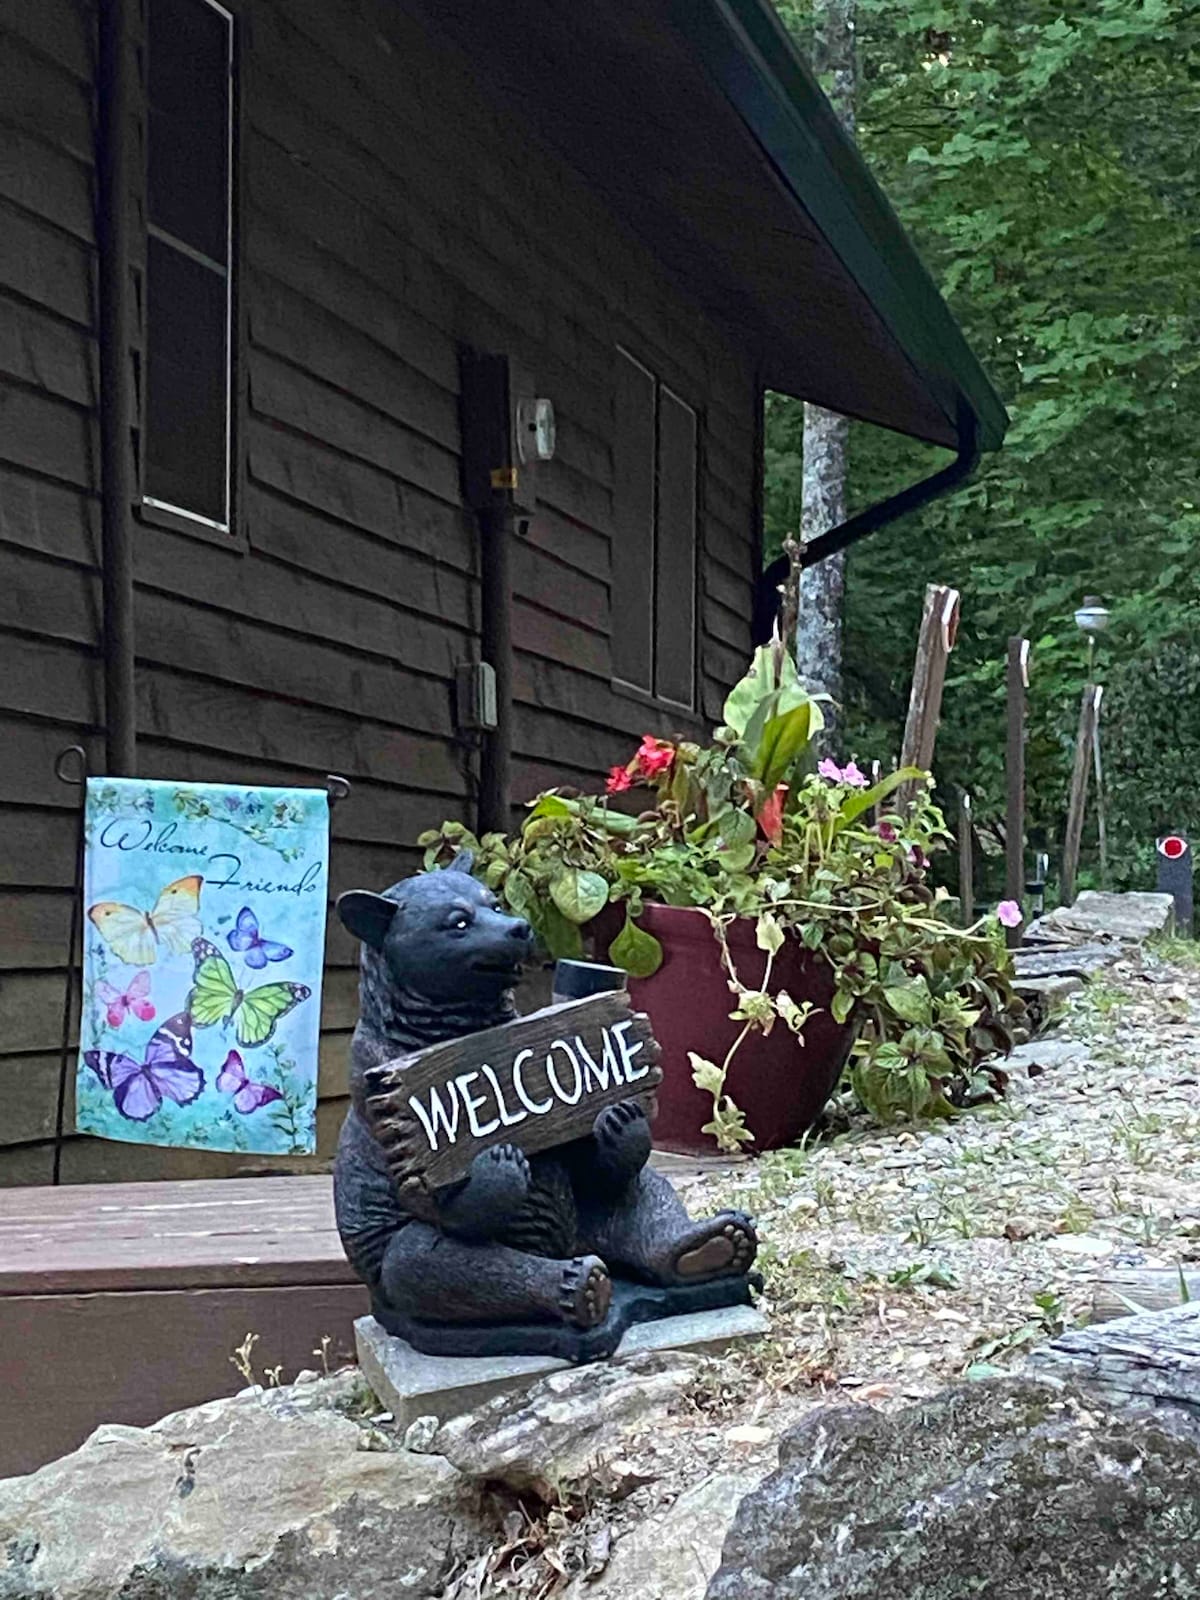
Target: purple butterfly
[
  {"x": 245, "y": 937},
  {"x": 168, "y": 1071},
  {"x": 247, "y": 1096}
]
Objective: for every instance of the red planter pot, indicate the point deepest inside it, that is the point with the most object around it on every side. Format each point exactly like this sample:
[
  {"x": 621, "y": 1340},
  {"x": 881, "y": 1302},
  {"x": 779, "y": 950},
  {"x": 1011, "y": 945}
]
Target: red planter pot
[{"x": 779, "y": 1084}]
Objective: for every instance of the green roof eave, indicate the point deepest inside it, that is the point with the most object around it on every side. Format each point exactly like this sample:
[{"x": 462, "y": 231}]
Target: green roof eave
[{"x": 748, "y": 51}]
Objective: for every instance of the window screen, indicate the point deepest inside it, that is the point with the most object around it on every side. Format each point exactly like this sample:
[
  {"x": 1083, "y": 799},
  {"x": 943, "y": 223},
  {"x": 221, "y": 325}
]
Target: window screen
[
  {"x": 186, "y": 426},
  {"x": 654, "y": 536}
]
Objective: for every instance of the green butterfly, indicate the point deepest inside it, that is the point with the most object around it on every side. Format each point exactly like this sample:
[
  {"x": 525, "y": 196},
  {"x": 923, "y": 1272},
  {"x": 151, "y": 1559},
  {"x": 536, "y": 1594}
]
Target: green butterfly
[{"x": 215, "y": 997}]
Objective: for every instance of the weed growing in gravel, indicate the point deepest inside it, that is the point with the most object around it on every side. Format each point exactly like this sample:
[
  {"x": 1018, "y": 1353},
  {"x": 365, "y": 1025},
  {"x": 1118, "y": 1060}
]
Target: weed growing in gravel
[
  {"x": 920, "y": 1273},
  {"x": 1046, "y": 1321},
  {"x": 1175, "y": 951},
  {"x": 1101, "y": 997},
  {"x": 1076, "y": 1217},
  {"x": 1134, "y": 1134}
]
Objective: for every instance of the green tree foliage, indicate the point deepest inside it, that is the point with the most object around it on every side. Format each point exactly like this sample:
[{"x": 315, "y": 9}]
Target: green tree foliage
[{"x": 1045, "y": 160}]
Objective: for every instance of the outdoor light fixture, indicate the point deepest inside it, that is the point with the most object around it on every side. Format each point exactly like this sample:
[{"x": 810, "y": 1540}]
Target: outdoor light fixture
[
  {"x": 535, "y": 430},
  {"x": 1091, "y": 617}
]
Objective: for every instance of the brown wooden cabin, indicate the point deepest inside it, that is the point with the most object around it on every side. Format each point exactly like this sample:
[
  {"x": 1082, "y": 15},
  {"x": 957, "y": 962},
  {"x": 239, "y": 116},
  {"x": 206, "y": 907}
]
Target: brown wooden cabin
[{"x": 244, "y": 248}]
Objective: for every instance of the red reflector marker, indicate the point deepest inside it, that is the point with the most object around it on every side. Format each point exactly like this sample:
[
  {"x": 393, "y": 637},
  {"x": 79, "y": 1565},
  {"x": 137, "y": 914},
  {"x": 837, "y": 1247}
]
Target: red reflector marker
[{"x": 1172, "y": 846}]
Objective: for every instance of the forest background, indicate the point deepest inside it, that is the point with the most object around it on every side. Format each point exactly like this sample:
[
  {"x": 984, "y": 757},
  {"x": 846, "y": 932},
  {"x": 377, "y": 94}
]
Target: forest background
[{"x": 1048, "y": 166}]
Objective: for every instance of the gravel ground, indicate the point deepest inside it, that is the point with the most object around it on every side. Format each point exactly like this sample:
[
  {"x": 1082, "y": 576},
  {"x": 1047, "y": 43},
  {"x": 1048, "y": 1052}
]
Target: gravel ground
[{"x": 899, "y": 1259}]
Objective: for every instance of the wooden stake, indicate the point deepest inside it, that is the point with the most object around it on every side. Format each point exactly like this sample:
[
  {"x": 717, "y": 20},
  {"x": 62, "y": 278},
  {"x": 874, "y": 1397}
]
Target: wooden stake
[
  {"x": 966, "y": 860},
  {"x": 1014, "y": 829},
  {"x": 1077, "y": 804},
  {"x": 939, "y": 628}
]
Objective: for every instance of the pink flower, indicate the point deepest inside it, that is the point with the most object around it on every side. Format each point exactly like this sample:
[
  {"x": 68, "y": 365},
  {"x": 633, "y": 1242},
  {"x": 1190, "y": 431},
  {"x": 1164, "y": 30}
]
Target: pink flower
[
  {"x": 654, "y": 756},
  {"x": 847, "y": 774},
  {"x": 918, "y": 858},
  {"x": 1009, "y": 913},
  {"x": 618, "y": 780},
  {"x": 887, "y": 833}
]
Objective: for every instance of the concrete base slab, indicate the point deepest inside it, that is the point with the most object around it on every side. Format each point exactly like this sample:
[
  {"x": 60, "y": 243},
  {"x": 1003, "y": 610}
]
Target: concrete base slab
[{"x": 411, "y": 1384}]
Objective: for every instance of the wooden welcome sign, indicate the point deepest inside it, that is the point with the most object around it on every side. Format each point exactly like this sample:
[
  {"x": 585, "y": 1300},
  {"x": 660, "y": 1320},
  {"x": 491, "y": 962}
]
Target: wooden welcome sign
[{"x": 537, "y": 1082}]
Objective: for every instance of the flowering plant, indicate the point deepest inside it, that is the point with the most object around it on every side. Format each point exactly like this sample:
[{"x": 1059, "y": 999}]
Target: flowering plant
[{"x": 753, "y": 826}]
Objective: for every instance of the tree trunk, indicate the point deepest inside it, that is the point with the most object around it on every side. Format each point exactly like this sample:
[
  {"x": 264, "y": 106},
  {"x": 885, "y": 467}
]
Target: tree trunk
[{"x": 826, "y": 435}]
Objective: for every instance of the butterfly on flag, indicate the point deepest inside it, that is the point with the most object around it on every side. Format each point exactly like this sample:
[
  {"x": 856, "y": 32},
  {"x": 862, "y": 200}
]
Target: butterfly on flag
[
  {"x": 246, "y": 939},
  {"x": 215, "y": 997},
  {"x": 133, "y": 1000},
  {"x": 166, "y": 1073},
  {"x": 134, "y": 936},
  {"x": 247, "y": 1096}
]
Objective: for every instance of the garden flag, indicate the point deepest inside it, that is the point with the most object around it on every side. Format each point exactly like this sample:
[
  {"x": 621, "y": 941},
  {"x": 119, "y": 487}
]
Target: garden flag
[{"x": 204, "y": 939}]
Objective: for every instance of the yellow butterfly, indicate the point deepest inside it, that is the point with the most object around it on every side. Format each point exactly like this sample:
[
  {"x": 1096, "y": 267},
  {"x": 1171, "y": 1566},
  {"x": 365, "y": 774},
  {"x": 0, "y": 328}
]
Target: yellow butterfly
[{"x": 134, "y": 936}]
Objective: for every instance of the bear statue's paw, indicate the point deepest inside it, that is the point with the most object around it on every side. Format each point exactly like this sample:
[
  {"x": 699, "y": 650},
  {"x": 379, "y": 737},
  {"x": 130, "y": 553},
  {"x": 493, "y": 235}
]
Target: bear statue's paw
[
  {"x": 501, "y": 1174},
  {"x": 622, "y": 1133},
  {"x": 585, "y": 1292},
  {"x": 723, "y": 1247}
]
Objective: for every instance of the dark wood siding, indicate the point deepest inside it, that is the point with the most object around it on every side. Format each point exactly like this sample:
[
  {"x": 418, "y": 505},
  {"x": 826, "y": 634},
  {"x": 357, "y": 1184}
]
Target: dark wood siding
[{"x": 390, "y": 214}]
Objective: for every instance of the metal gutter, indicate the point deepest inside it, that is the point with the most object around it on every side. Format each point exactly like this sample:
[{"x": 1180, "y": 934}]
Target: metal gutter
[
  {"x": 766, "y": 594},
  {"x": 754, "y": 60},
  {"x": 113, "y": 175}
]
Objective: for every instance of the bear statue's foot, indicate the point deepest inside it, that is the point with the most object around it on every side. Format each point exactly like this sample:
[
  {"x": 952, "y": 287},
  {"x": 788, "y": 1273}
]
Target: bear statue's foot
[
  {"x": 585, "y": 1292},
  {"x": 722, "y": 1247},
  {"x": 623, "y": 1141}
]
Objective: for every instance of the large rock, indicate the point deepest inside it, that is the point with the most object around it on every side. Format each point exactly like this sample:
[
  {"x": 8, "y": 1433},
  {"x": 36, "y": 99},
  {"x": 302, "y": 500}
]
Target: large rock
[
  {"x": 1131, "y": 918},
  {"x": 282, "y": 1493},
  {"x": 1010, "y": 1489},
  {"x": 672, "y": 1555},
  {"x": 569, "y": 1426}
]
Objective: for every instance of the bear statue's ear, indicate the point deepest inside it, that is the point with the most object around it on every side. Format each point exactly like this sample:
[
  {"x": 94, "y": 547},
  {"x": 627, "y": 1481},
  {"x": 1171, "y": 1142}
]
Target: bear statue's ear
[
  {"x": 368, "y": 916},
  {"x": 464, "y": 861}
]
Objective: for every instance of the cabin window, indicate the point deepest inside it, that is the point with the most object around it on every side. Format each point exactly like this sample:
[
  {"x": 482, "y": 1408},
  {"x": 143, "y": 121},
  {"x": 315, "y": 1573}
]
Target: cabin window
[
  {"x": 654, "y": 537},
  {"x": 188, "y": 304}
]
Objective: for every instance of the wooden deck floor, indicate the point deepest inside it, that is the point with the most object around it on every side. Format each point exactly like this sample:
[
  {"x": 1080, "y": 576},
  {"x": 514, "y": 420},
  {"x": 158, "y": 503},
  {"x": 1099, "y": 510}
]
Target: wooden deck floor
[{"x": 121, "y": 1302}]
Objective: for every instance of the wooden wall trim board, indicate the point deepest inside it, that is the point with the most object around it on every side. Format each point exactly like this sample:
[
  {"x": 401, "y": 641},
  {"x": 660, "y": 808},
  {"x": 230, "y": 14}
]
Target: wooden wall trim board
[
  {"x": 43, "y": 1339},
  {"x": 389, "y": 216}
]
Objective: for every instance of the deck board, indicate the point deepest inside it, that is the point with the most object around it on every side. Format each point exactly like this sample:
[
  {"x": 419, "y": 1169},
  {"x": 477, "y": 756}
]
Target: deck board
[{"x": 233, "y": 1232}]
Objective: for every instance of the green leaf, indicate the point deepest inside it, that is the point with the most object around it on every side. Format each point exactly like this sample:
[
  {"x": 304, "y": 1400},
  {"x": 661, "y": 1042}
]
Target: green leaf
[
  {"x": 706, "y": 1074},
  {"x": 860, "y": 800},
  {"x": 737, "y": 858},
  {"x": 549, "y": 805},
  {"x": 578, "y": 894},
  {"x": 841, "y": 1006},
  {"x": 735, "y": 827},
  {"x": 635, "y": 951},
  {"x": 783, "y": 739},
  {"x": 562, "y": 939},
  {"x": 768, "y": 935},
  {"x": 909, "y": 1000}
]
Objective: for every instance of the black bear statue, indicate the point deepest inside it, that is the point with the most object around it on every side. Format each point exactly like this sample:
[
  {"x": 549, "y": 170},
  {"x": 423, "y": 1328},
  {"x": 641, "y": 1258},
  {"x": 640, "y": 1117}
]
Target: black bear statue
[{"x": 553, "y": 1253}]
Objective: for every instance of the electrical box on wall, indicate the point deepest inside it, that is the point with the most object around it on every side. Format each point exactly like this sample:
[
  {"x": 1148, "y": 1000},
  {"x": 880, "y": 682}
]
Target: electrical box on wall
[
  {"x": 507, "y": 429},
  {"x": 475, "y": 697}
]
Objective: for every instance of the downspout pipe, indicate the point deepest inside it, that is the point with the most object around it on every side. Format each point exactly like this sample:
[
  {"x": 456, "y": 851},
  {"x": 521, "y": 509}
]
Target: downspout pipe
[
  {"x": 766, "y": 598},
  {"x": 496, "y": 648},
  {"x": 114, "y": 170}
]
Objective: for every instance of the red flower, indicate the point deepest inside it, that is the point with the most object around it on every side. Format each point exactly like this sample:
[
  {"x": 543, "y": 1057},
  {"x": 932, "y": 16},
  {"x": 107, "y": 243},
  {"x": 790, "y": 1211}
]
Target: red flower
[
  {"x": 654, "y": 756},
  {"x": 770, "y": 816},
  {"x": 618, "y": 780},
  {"x": 887, "y": 833}
]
